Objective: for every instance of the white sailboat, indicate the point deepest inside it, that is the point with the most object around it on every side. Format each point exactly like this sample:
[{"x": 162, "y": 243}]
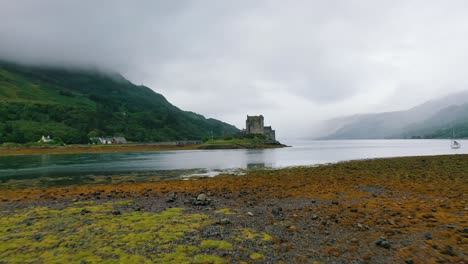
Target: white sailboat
[{"x": 454, "y": 144}]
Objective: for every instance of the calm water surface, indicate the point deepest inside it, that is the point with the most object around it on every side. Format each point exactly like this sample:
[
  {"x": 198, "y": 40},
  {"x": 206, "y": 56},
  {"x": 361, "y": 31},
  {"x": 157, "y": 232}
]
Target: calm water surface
[{"x": 210, "y": 162}]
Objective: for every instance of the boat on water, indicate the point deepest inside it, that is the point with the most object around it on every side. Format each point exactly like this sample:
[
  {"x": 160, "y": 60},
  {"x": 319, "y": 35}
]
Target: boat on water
[{"x": 455, "y": 144}]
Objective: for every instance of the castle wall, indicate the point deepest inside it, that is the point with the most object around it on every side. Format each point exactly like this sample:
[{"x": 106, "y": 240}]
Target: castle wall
[{"x": 269, "y": 133}]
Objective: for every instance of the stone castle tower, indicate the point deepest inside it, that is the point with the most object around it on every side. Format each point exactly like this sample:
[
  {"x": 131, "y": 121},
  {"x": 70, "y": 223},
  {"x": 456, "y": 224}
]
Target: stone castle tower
[{"x": 255, "y": 125}]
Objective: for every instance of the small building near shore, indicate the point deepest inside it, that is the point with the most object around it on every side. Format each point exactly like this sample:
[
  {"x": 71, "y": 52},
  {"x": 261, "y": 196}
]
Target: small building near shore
[
  {"x": 119, "y": 140},
  {"x": 108, "y": 140},
  {"x": 45, "y": 139}
]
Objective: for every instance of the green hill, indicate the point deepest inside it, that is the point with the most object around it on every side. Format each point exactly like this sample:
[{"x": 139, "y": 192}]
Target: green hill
[
  {"x": 433, "y": 119},
  {"x": 76, "y": 104},
  {"x": 441, "y": 125}
]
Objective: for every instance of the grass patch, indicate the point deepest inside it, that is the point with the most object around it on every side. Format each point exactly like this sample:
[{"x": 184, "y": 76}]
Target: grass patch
[
  {"x": 203, "y": 259},
  {"x": 216, "y": 244},
  {"x": 227, "y": 211},
  {"x": 252, "y": 235},
  {"x": 256, "y": 256}
]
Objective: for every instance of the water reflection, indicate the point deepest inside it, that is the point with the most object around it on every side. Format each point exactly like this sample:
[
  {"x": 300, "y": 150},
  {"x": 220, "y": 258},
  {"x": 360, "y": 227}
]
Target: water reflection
[
  {"x": 260, "y": 158},
  {"x": 166, "y": 164}
]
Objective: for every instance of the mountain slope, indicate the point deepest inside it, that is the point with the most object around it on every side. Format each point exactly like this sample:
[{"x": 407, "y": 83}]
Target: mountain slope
[
  {"x": 432, "y": 119},
  {"x": 75, "y": 104},
  {"x": 441, "y": 125}
]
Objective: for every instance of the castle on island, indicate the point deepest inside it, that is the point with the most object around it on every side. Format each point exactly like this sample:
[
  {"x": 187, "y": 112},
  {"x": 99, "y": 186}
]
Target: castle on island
[{"x": 255, "y": 125}]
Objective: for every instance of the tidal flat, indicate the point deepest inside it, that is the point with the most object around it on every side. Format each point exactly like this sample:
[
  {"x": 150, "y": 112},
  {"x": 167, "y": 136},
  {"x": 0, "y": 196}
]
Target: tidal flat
[{"x": 396, "y": 210}]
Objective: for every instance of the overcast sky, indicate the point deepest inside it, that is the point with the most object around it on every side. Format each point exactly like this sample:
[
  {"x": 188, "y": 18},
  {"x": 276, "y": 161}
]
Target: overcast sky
[{"x": 295, "y": 62}]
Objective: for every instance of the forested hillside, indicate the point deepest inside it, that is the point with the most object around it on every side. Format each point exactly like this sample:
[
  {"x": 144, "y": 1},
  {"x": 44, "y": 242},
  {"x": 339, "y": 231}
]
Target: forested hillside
[
  {"x": 74, "y": 105},
  {"x": 452, "y": 120}
]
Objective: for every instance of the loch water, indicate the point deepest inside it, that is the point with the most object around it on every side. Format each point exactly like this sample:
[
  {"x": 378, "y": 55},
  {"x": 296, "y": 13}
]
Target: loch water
[{"x": 182, "y": 163}]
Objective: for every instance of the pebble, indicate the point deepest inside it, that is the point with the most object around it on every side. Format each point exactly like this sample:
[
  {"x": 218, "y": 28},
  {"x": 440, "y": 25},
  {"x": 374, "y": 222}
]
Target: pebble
[
  {"x": 225, "y": 221},
  {"x": 201, "y": 197},
  {"x": 172, "y": 197},
  {"x": 448, "y": 250},
  {"x": 428, "y": 216},
  {"x": 116, "y": 212},
  {"x": 201, "y": 200},
  {"x": 382, "y": 242},
  {"x": 38, "y": 237},
  {"x": 428, "y": 236},
  {"x": 277, "y": 211},
  {"x": 85, "y": 211},
  {"x": 452, "y": 226}
]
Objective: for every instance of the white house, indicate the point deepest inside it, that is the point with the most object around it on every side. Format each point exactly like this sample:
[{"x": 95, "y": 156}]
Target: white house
[{"x": 45, "y": 139}]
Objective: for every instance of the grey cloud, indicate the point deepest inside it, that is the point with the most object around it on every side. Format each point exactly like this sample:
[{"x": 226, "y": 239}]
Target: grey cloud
[{"x": 229, "y": 58}]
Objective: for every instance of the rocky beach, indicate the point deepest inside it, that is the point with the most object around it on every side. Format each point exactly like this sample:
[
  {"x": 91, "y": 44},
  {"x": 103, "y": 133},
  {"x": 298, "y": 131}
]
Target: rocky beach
[{"x": 396, "y": 210}]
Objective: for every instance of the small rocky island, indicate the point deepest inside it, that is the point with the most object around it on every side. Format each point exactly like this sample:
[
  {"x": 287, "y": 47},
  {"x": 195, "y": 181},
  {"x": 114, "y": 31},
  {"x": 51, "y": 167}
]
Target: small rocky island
[{"x": 255, "y": 135}]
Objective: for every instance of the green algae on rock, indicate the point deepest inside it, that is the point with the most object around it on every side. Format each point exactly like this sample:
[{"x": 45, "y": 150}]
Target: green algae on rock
[{"x": 85, "y": 231}]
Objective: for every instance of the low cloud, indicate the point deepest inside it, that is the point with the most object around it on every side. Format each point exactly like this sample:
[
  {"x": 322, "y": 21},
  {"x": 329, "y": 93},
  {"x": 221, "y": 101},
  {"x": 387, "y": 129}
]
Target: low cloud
[{"x": 295, "y": 62}]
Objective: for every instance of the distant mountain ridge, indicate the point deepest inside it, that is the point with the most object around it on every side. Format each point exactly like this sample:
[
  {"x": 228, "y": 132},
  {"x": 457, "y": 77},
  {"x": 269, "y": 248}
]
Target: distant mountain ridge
[
  {"x": 76, "y": 104},
  {"x": 433, "y": 119}
]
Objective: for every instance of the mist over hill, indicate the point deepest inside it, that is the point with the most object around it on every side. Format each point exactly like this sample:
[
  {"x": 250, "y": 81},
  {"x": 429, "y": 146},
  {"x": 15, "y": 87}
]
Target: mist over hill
[
  {"x": 433, "y": 119},
  {"x": 73, "y": 105}
]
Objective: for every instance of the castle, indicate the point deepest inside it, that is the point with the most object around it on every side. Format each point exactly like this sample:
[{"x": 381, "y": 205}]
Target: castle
[{"x": 254, "y": 125}]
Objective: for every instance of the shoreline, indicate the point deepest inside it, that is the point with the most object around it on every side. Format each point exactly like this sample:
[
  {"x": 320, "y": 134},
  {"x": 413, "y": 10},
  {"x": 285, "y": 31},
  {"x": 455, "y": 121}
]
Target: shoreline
[
  {"x": 78, "y": 149},
  {"x": 409, "y": 209}
]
